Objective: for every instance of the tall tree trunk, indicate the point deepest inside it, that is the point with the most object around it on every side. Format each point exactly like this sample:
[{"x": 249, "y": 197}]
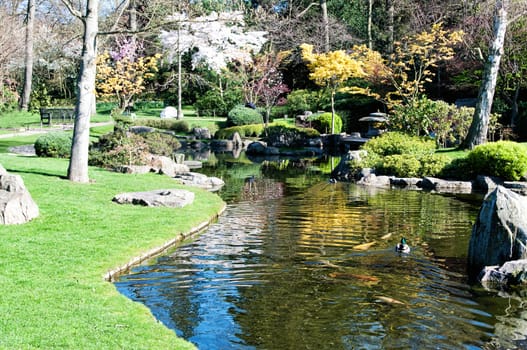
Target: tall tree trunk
[
  {"x": 28, "y": 64},
  {"x": 477, "y": 133},
  {"x": 78, "y": 167},
  {"x": 391, "y": 25},
  {"x": 370, "y": 24},
  {"x": 325, "y": 21}
]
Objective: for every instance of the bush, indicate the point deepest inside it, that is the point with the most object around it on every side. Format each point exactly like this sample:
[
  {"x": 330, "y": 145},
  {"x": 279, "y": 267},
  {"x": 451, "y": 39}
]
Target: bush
[
  {"x": 285, "y": 135},
  {"x": 8, "y": 99},
  {"x": 299, "y": 101},
  {"x": 251, "y": 130},
  {"x": 145, "y": 105},
  {"x": 241, "y": 115},
  {"x": 178, "y": 126},
  {"x": 211, "y": 103},
  {"x": 504, "y": 159},
  {"x": 54, "y": 145},
  {"x": 402, "y": 155},
  {"x": 322, "y": 123},
  {"x": 161, "y": 144},
  {"x": 399, "y": 143}
]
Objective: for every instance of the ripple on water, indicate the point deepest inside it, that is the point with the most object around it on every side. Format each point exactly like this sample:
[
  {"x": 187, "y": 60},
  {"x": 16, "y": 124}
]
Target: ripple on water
[{"x": 283, "y": 274}]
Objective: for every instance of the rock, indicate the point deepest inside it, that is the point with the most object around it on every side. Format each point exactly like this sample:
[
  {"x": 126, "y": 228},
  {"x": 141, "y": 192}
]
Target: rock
[
  {"x": 445, "y": 186},
  {"x": 257, "y": 147},
  {"x": 133, "y": 169},
  {"x": 16, "y": 204},
  {"x": 173, "y": 198},
  {"x": 141, "y": 129},
  {"x": 202, "y": 133},
  {"x": 200, "y": 180},
  {"x": 516, "y": 186},
  {"x": 165, "y": 165},
  {"x": 168, "y": 112},
  {"x": 406, "y": 182},
  {"x": 511, "y": 273},
  {"x": 375, "y": 181},
  {"x": 237, "y": 140},
  {"x": 500, "y": 232},
  {"x": 487, "y": 183}
]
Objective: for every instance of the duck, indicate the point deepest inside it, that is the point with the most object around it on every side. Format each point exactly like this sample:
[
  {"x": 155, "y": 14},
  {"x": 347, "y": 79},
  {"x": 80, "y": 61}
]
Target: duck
[{"x": 402, "y": 247}]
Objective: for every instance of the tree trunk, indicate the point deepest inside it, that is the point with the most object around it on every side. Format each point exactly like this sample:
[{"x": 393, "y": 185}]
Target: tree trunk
[
  {"x": 370, "y": 24},
  {"x": 477, "y": 133},
  {"x": 28, "y": 64},
  {"x": 78, "y": 167},
  {"x": 391, "y": 26},
  {"x": 325, "y": 21}
]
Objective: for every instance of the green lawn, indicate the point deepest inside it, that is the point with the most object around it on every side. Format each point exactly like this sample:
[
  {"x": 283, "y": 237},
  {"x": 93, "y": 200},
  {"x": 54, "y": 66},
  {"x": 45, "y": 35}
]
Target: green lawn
[{"x": 53, "y": 291}]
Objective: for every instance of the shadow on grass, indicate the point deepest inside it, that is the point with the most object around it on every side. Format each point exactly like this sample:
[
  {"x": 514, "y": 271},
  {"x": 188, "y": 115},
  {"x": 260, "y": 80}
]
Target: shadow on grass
[{"x": 37, "y": 172}]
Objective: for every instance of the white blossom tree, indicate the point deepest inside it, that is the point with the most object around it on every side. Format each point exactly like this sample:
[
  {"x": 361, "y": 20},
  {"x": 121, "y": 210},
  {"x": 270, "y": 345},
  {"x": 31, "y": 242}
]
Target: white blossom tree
[{"x": 219, "y": 38}]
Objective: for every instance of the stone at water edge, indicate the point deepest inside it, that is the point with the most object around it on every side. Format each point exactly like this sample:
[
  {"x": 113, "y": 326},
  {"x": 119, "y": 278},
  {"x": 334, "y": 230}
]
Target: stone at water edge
[
  {"x": 173, "y": 198},
  {"x": 500, "y": 232},
  {"x": 16, "y": 204}
]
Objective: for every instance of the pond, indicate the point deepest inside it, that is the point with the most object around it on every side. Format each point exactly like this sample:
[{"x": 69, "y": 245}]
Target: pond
[{"x": 296, "y": 262}]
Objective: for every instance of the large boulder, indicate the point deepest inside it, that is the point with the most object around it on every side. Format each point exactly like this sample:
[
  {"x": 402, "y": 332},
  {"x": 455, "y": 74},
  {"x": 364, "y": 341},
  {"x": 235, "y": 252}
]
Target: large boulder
[
  {"x": 168, "y": 112},
  {"x": 173, "y": 198},
  {"x": 500, "y": 232},
  {"x": 16, "y": 204},
  {"x": 498, "y": 277},
  {"x": 200, "y": 180}
]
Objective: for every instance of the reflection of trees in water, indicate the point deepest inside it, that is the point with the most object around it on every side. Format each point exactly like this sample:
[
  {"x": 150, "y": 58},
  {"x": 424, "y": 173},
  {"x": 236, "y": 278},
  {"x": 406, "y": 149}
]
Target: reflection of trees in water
[{"x": 261, "y": 189}]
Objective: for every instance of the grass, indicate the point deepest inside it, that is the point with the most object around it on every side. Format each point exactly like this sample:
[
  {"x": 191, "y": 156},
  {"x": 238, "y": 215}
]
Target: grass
[{"x": 53, "y": 291}]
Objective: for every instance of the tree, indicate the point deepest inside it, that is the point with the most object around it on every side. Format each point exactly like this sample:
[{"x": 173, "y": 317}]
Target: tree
[
  {"x": 413, "y": 59},
  {"x": 217, "y": 40},
  {"x": 266, "y": 85},
  {"x": 477, "y": 133},
  {"x": 123, "y": 73},
  {"x": 331, "y": 70},
  {"x": 78, "y": 166},
  {"x": 28, "y": 64}
]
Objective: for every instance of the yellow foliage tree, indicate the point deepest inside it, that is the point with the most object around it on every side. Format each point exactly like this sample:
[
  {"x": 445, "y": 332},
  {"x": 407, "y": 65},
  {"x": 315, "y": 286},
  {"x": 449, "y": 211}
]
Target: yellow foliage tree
[
  {"x": 411, "y": 64},
  {"x": 331, "y": 70},
  {"x": 124, "y": 78}
]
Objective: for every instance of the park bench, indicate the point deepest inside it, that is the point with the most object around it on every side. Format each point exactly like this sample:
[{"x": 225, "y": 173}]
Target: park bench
[{"x": 50, "y": 114}]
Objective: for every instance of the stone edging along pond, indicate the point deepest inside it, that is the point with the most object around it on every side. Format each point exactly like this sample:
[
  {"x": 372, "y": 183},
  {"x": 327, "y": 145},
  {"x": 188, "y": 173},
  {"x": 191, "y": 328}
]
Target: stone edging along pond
[{"x": 112, "y": 275}]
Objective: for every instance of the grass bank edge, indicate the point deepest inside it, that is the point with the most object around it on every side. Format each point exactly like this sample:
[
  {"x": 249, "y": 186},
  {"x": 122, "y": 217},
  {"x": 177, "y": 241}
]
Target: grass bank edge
[{"x": 61, "y": 257}]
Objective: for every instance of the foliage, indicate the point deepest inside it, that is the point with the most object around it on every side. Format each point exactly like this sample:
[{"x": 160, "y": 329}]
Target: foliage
[
  {"x": 241, "y": 115},
  {"x": 322, "y": 122},
  {"x": 54, "y": 145},
  {"x": 400, "y": 154},
  {"x": 282, "y": 134},
  {"x": 504, "y": 159},
  {"x": 214, "y": 40},
  {"x": 266, "y": 86},
  {"x": 250, "y": 130},
  {"x": 119, "y": 148},
  {"x": 39, "y": 98},
  {"x": 299, "y": 101},
  {"x": 146, "y": 105},
  {"x": 331, "y": 70},
  {"x": 178, "y": 126},
  {"x": 412, "y": 63},
  {"x": 124, "y": 73},
  {"x": 8, "y": 99}
]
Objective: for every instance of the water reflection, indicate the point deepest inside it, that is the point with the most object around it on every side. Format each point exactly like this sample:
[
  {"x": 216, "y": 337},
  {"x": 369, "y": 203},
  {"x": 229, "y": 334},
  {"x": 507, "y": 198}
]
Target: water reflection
[{"x": 279, "y": 271}]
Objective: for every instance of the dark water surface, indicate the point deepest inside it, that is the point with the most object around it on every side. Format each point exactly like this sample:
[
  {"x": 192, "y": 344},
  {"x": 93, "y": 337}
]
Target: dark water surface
[{"x": 281, "y": 270}]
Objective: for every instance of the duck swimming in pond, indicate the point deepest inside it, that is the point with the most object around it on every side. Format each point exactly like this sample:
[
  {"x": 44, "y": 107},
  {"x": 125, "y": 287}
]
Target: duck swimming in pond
[{"x": 402, "y": 247}]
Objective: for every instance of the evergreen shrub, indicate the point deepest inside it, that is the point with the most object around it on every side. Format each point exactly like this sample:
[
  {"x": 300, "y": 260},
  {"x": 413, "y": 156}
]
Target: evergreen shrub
[
  {"x": 282, "y": 134},
  {"x": 54, "y": 145},
  {"x": 241, "y": 115},
  {"x": 322, "y": 123},
  {"x": 251, "y": 130},
  {"x": 178, "y": 126},
  {"x": 403, "y": 155},
  {"x": 504, "y": 159}
]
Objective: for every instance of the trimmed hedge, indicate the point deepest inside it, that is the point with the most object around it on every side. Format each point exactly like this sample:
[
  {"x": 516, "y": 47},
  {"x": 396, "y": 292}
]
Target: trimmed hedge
[
  {"x": 54, "y": 145},
  {"x": 504, "y": 159},
  {"x": 241, "y": 115},
  {"x": 322, "y": 123}
]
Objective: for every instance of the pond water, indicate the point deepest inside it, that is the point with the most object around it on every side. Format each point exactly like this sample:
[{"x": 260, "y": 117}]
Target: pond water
[{"x": 286, "y": 267}]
